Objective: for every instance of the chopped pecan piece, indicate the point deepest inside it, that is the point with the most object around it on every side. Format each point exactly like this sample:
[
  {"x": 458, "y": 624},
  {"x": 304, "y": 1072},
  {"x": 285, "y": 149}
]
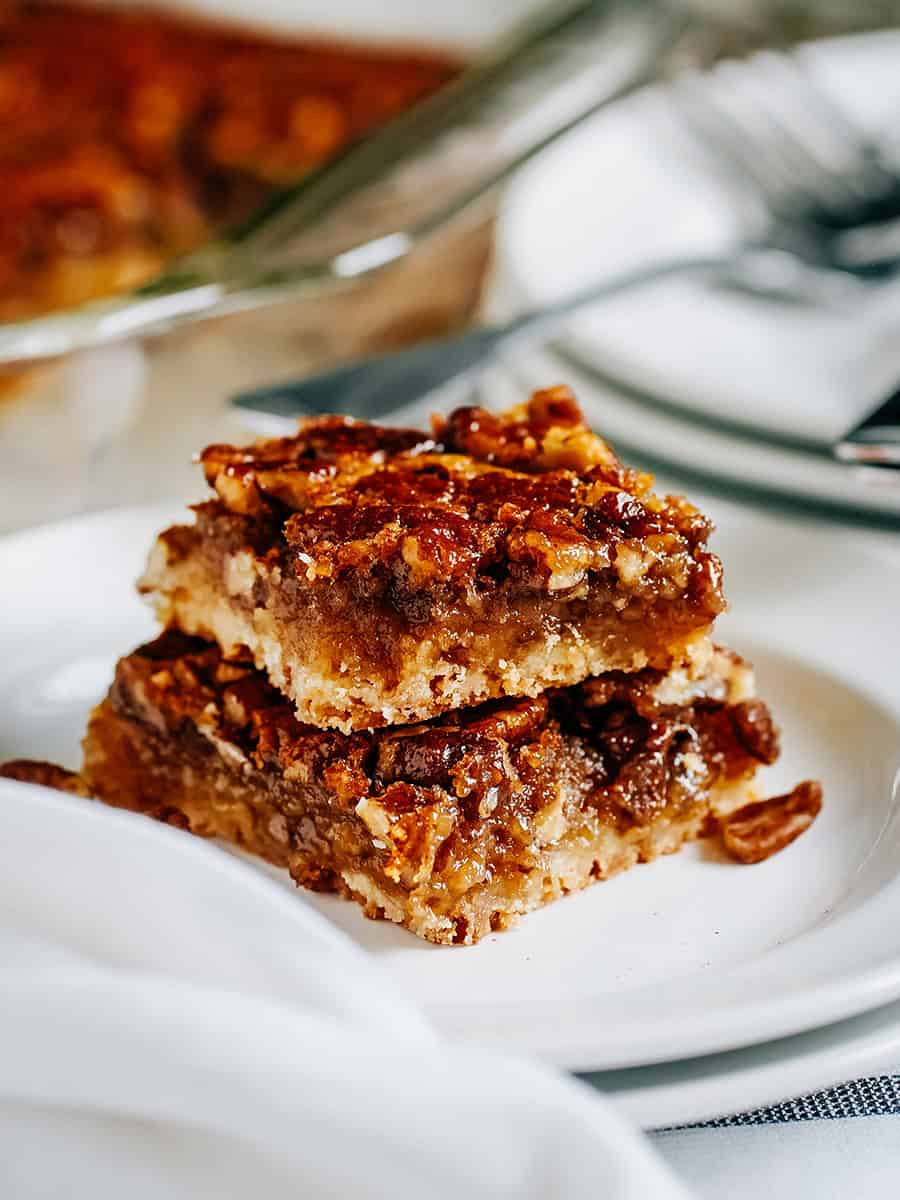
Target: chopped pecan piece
[
  {"x": 46, "y": 774},
  {"x": 757, "y": 831}
]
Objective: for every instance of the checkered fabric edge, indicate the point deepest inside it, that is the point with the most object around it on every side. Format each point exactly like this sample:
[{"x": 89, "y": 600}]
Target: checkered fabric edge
[{"x": 877, "y": 1096}]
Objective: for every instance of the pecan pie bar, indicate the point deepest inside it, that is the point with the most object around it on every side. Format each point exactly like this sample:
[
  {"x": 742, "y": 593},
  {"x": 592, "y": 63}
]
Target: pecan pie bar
[
  {"x": 381, "y": 576},
  {"x": 455, "y": 827}
]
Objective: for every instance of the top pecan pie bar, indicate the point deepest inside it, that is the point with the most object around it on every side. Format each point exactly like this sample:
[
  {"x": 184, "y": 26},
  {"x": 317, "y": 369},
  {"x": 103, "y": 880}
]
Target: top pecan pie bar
[{"x": 385, "y": 575}]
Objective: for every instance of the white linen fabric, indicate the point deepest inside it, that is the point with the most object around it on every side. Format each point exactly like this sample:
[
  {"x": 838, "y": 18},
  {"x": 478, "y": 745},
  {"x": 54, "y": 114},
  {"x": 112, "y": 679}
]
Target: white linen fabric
[{"x": 173, "y": 1024}]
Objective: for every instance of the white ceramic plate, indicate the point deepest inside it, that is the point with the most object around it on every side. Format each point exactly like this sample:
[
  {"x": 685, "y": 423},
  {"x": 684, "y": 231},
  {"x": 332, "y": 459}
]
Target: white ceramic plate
[
  {"x": 716, "y": 1085},
  {"x": 629, "y": 188},
  {"x": 688, "y": 956}
]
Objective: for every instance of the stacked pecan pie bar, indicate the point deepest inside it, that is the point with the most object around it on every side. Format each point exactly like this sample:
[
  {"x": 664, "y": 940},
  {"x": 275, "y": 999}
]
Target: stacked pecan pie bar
[{"x": 453, "y": 675}]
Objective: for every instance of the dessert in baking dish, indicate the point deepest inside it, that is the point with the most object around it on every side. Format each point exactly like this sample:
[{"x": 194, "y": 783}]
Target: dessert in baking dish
[{"x": 130, "y": 137}]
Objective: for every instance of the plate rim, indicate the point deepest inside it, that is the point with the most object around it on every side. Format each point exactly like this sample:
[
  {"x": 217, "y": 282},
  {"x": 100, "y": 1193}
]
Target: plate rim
[{"x": 707, "y": 1087}]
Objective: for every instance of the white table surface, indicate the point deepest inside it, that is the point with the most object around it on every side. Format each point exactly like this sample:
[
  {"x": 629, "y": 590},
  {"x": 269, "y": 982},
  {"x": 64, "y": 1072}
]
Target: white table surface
[{"x": 828, "y": 1160}]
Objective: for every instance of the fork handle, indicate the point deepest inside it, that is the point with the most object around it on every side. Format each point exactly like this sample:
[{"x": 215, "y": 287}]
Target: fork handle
[{"x": 544, "y": 321}]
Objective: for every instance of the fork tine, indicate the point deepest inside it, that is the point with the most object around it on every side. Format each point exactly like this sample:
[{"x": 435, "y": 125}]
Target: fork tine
[
  {"x": 750, "y": 109},
  {"x": 837, "y": 151},
  {"x": 777, "y": 127},
  {"x": 874, "y": 175},
  {"x": 716, "y": 130},
  {"x": 814, "y": 179}
]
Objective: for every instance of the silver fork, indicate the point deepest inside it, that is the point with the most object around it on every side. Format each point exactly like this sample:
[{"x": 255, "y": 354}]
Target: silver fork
[
  {"x": 817, "y": 186},
  {"x": 829, "y": 186}
]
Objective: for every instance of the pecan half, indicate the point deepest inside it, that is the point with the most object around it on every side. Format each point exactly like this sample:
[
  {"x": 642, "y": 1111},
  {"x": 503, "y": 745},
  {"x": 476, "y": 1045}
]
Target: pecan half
[{"x": 759, "y": 830}]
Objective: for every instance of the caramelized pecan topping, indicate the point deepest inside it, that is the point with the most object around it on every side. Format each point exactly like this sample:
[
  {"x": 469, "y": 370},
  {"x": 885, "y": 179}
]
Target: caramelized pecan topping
[
  {"x": 532, "y": 495},
  {"x": 756, "y": 730}
]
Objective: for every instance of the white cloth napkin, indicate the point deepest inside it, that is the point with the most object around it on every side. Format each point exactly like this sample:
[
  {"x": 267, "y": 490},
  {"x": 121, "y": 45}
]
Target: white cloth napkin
[{"x": 173, "y": 1024}]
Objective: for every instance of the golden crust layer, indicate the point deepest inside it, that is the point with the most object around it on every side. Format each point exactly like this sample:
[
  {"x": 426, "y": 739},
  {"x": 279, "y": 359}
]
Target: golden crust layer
[{"x": 452, "y": 828}]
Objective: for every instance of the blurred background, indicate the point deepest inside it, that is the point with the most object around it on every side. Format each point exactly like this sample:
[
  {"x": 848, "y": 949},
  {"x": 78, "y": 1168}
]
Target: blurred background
[{"x": 206, "y": 198}]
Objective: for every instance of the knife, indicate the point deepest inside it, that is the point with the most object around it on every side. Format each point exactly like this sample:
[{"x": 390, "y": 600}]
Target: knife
[{"x": 875, "y": 441}]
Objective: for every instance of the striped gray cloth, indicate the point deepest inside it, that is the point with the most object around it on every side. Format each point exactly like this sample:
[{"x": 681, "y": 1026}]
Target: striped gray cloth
[{"x": 877, "y": 1096}]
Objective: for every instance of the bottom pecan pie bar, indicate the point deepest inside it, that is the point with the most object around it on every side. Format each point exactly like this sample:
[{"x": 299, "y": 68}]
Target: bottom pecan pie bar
[{"x": 452, "y": 828}]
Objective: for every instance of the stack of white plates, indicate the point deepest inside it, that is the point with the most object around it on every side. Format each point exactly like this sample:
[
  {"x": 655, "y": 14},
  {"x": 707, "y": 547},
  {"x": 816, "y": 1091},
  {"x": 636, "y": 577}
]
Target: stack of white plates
[{"x": 713, "y": 381}]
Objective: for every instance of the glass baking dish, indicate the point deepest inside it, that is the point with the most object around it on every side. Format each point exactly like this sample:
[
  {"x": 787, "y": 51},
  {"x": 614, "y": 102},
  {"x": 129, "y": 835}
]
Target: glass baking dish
[{"x": 117, "y": 421}]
